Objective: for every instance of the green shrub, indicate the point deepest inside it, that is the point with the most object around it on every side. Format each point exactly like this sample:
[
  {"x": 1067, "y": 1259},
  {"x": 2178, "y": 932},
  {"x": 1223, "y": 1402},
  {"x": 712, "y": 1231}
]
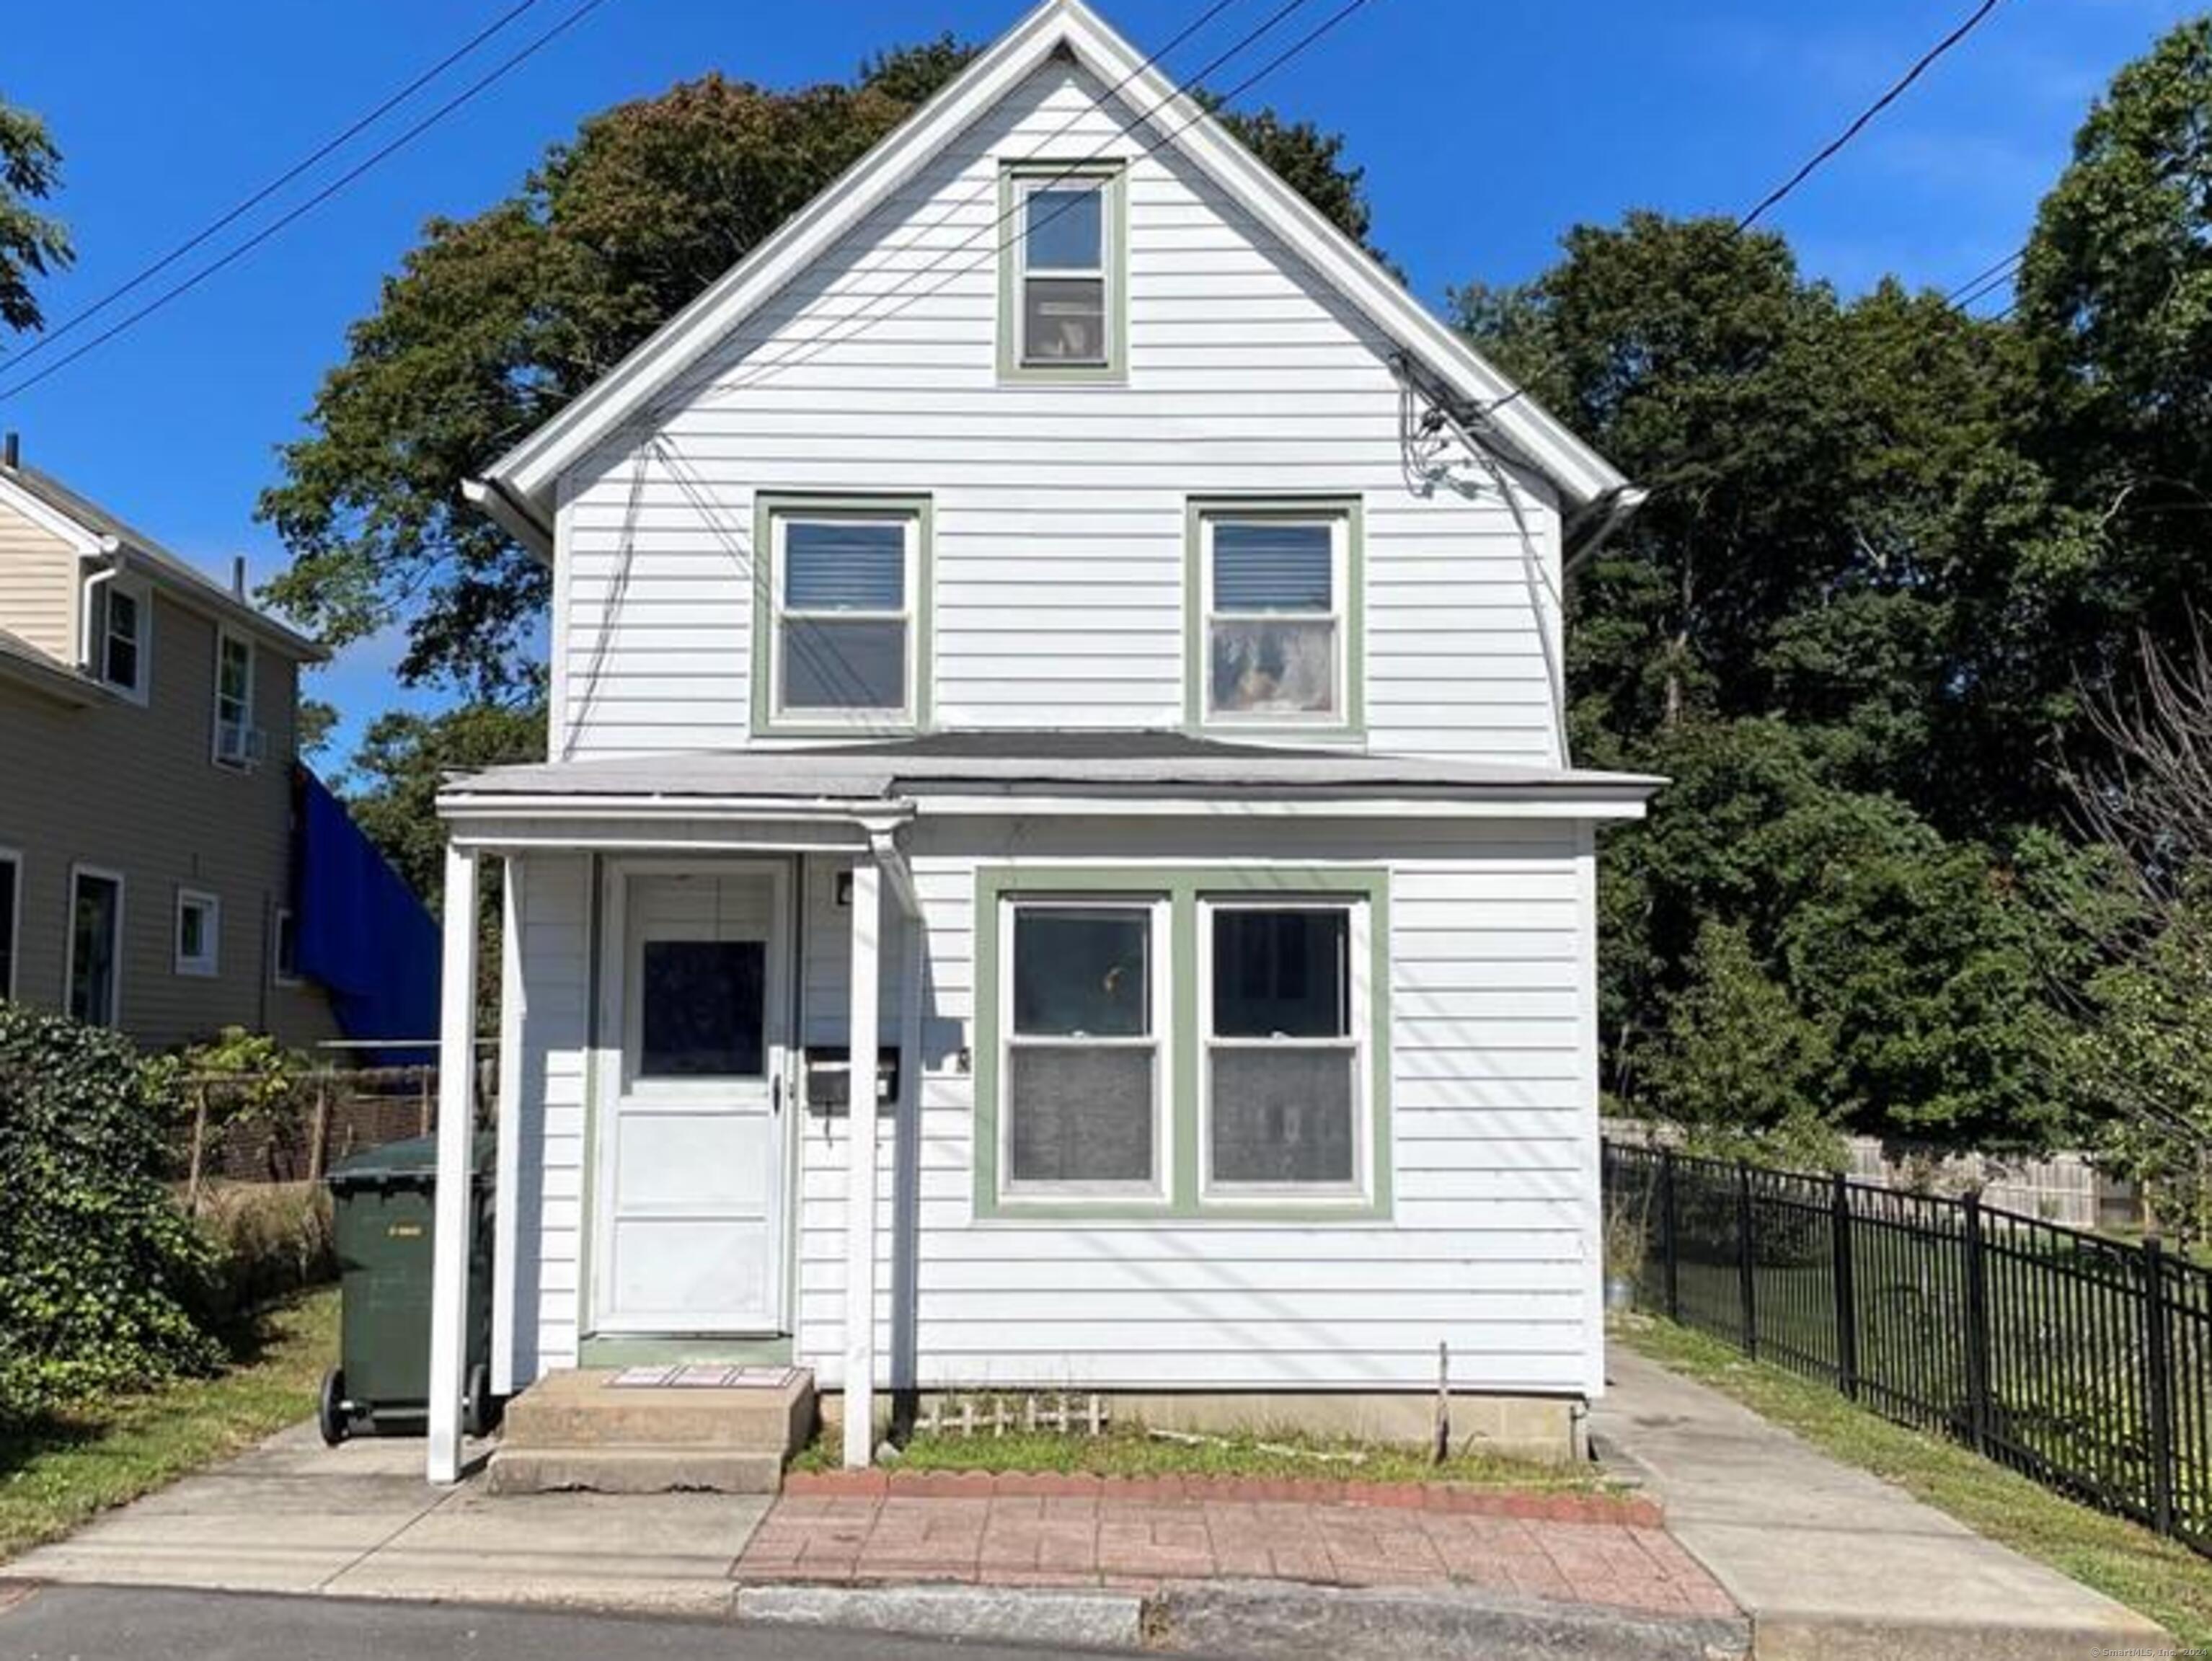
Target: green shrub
[
  {"x": 99, "y": 1271},
  {"x": 268, "y": 1239}
]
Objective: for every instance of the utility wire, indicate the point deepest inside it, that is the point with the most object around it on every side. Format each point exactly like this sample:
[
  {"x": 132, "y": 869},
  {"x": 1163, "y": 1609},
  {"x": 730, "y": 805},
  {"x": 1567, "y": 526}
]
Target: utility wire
[
  {"x": 250, "y": 202},
  {"x": 1983, "y": 281},
  {"x": 1896, "y": 91},
  {"x": 176, "y": 291},
  {"x": 865, "y": 322}
]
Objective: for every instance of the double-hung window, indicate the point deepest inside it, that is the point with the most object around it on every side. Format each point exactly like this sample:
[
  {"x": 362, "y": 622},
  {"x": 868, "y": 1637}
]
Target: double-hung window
[
  {"x": 1194, "y": 1042},
  {"x": 199, "y": 933},
  {"x": 235, "y": 741},
  {"x": 1063, "y": 271},
  {"x": 1283, "y": 1078},
  {"x": 11, "y": 912},
  {"x": 1082, "y": 1060},
  {"x": 1276, "y": 620},
  {"x": 95, "y": 945},
  {"x": 844, "y": 646},
  {"x": 122, "y": 617}
]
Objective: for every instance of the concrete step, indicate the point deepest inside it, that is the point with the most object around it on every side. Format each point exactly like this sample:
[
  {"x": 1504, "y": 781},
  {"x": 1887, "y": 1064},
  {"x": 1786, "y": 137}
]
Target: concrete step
[
  {"x": 582, "y": 1410},
  {"x": 633, "y": 1470}
]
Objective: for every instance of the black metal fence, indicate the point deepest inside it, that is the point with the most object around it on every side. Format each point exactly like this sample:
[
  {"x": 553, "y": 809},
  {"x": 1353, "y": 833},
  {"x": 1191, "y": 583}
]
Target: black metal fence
[{"x": 2080, "y": 1361}]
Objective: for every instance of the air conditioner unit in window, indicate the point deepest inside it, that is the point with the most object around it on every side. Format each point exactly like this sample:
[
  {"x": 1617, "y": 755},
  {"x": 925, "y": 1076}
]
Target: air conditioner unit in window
[{"x": 238, "y": 744}]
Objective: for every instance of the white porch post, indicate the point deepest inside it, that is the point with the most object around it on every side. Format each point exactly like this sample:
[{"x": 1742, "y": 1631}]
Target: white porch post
[
  {"x": 457, "y": 1066},
  {"x": 860, "y": 1169}
]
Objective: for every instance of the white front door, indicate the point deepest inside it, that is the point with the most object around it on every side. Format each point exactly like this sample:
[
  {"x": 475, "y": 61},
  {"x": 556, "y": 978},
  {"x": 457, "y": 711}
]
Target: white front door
[{"x": 690, "y": 1157}]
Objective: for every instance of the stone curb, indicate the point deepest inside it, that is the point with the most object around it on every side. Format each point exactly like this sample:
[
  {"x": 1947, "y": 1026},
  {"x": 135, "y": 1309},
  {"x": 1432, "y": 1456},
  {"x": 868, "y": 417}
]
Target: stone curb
[
  {"x": 1084, "y": 1620},
  {"x": 1283, "y": 1622},
  {"x": 1313, "y": 1623},
  {"x": 876, "y": 1484}
]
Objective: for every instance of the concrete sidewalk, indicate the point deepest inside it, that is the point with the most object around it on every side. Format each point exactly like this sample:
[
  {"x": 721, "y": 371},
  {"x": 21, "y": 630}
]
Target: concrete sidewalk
[
  {"x": 1832, "y": 1562},
  {"x": 358, "y": 1520}
]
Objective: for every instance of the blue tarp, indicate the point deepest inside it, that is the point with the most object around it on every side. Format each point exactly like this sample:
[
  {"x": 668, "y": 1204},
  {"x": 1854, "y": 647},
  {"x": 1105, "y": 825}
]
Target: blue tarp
[{"x": 361, "y": 931}]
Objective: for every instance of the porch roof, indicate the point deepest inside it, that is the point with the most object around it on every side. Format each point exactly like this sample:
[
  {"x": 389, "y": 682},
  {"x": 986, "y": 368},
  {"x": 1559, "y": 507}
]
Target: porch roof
[{"x": 1132, "y": 764}]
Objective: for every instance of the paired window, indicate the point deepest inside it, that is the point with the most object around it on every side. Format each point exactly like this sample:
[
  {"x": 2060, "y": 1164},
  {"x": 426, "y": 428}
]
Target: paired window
[
  {"x": 11, "y": 912},
  {"x": 237, "y": 744},
  {"x": 1210, "y": 1045},
  {"x": 1275, "y": 617},
  {"x": 95, "y": 945},
  {"x": 199, "y": 932},
  {"x": 1062, "y": 279},
  {"x": 122, "y": 618},
  {"x": 846, "y": 645}
]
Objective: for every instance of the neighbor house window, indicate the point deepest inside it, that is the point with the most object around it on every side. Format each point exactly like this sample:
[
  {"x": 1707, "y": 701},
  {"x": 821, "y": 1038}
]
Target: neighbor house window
[
  {"x": 1064, "y": 260},
  {"x": 284, "y": 948},
  {"x": 199, "y": 932},
  {"x": 1276, "y": 620},
  {"x": 11, "y": 911},
  {"x": 122, "y": 617},
  {"x": 1197, "y": 1041},
  {"x": 1283, "y": 1071},
  {"x": 235, "y": 740},
  {"x": 1082, "y": 1062},
  {"x": 95, "y": 945},
  {"x": 847, "y": 603}
]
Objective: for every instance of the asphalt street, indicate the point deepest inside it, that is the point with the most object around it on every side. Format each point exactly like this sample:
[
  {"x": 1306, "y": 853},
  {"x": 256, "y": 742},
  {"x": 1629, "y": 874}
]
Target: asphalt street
[{"x": 102, "y": 1623}]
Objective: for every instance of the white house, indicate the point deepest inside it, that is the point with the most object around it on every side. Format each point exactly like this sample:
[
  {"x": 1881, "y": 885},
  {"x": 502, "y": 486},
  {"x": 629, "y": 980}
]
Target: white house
[{"x": 1062, "y": 624}]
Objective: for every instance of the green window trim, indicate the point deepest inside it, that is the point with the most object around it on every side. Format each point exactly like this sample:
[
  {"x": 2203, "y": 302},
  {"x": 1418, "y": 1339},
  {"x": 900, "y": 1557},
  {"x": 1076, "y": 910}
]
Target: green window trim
[
  {"x": 768, "y": 506},
  {"x": 1184, "y": 888},
  {"x": 1351, "y": 721},
  {"x": 1114, "y": 372}
]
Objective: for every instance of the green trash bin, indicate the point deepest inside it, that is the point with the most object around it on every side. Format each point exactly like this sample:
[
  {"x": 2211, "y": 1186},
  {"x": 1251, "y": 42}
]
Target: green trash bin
[{"x": 383, "y": 1204}]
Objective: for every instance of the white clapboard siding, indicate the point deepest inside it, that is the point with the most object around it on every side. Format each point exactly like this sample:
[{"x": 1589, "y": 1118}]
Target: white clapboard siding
[
  {"x": 555, "y": 979},
  {"x": 1058, "y": 510}
]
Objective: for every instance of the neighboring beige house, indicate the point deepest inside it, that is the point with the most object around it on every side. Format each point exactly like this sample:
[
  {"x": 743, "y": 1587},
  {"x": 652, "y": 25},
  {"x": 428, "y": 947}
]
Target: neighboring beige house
[{"x": 147, "y": 722}]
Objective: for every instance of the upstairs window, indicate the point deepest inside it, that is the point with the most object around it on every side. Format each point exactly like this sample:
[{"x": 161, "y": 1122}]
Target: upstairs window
[
  {"x": 121, "y": 618},
  {"x": 1063, "y": 273},
  {"x": 1277, "y": 616},
  {"x": 237, "y": 744},
  {"x": 841, "y": 650}
]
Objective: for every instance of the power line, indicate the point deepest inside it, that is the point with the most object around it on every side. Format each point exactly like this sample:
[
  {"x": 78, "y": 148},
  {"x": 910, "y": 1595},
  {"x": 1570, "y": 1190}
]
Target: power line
[
  {"x": 1896, "y": 91},
  {"x": 866, "y": 323},
  {"x": 225, "y": 220},
  {"x": 176, "y": 291},
  {"x": 1982, "y": 280}
]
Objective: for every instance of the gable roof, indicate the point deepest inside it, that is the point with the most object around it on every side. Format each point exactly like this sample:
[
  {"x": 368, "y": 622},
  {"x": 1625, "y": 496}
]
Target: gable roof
[
  {"x": 517, "y": 489},
  {"x": 42, "y": 497}
]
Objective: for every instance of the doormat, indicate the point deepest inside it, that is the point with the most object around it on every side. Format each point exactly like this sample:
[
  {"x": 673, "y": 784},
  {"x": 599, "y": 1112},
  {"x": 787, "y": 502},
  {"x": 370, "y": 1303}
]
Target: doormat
[{"x": 702, "y": 1376}]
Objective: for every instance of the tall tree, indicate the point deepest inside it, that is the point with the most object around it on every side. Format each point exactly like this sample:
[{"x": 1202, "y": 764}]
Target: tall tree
[
  {"x": 32, "y": 243},
  {"x": 494, "y": 322}
]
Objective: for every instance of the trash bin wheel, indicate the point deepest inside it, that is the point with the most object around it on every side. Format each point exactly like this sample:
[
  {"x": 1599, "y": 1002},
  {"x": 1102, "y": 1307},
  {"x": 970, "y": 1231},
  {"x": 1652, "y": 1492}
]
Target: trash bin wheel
[
  {"x": 479, "y": 1412},
  {"x": 330, "y": 1416}
]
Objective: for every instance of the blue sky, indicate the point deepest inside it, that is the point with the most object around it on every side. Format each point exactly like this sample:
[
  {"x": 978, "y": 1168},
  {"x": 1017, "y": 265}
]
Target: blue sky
[{"x": 1486, "y": 128}]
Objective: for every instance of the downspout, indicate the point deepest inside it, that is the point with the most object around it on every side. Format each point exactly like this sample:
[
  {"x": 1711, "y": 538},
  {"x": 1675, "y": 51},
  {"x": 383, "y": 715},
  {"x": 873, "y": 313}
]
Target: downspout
[{"x": 109, "y": 566}]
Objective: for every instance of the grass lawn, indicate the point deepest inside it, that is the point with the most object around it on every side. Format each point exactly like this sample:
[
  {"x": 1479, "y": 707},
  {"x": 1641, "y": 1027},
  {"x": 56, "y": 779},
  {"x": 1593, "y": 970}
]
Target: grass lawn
[
  {"x": 2155, "y": 1577},
  {"x": 56, "y": 1474},
  {"x": 1128, "y": 1451}
]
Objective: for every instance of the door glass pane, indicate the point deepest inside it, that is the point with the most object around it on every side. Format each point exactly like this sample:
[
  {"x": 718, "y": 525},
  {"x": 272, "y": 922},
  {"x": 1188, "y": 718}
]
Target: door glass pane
[
  {"x": 1066, "y": 229},
  {"x": 1082, "y": 970},
  {"x": 1064, "y": 320},
  {"x": 842, "y": 664},
  {"x": 702, "y": 1004},
  {"x": 1080, "y": 1115},
  {"x": 1281, "y": 1115},
  {"x": 92, "y": 920},
  {"x": 1282, "y": 973},
  {"x": 1270, "y": 667},
  {"x": 1267, "y": 565},
  {"x": 844, "y": 564}
]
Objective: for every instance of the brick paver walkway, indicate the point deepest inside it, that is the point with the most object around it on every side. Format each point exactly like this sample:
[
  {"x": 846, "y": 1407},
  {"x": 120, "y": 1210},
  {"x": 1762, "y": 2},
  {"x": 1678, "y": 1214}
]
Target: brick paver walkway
[{"x": 1136, "y": 1544}]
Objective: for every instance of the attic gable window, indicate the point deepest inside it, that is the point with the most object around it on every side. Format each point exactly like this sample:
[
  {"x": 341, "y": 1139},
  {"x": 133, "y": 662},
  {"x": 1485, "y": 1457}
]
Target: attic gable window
[
  {"x": 1276, "y": 609},
  {"x": 841, "y": 640},
  {"x": 1064, "y": 260}
]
